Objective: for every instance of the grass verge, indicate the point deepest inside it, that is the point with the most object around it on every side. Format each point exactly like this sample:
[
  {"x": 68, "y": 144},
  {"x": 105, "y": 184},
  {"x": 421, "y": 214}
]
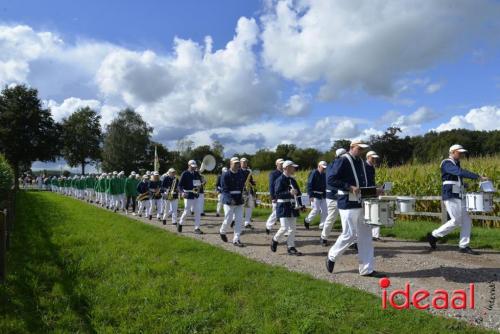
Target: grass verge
[{"x": 77, "y": 268}]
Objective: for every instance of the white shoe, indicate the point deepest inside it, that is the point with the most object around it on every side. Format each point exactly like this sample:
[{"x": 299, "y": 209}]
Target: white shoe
[
  {"x": 321, "y": 225},
  {"x": 134, "y": 214}
]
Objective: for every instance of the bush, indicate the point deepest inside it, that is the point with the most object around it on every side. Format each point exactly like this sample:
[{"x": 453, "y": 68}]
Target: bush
[{"x": 6, "y": 176}]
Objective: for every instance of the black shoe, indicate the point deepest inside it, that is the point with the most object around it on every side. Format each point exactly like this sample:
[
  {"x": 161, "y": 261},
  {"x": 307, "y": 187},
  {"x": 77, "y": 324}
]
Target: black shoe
[
  {"x": 140, "y": 214},
  {"x": 179, "y": 228},
  {"x": 375, "y": 274},
  {"x": 174, "y": 224},
  {"x": 432, "y": 240},
  {"x": 158, "y": 218},
  {"x": 467, "y": 250},
  {"x": 354, "y": 246},
  {"x": 306, "y": 224},
  {"x": 268, "y": 231},
  {"x": 164, "y": 222},
  {"x": 217, "y": 215},
  {"x": 376, "y": 239},
  {"x": 150, "y": 217},
  {"x": 223, "y": 237},
  {"x": 250, "y": 227},
  {"x": 274, "y": 245},
  {"x": 238, "y": 244},
  {"x": 192, "y": 213},
  {"x": 198, "y": 231},
  {"x": 202, "y": 214},
  {"x": 294, "y": 251},
  {"x": 232, "y": 224},
  {"x": 329, "y": 265},
  {"x": 323, "y": 242}
]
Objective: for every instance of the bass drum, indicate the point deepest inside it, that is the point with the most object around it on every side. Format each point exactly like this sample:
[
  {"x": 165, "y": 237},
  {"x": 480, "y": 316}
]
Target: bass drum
[{"x": 379, "y": 213}]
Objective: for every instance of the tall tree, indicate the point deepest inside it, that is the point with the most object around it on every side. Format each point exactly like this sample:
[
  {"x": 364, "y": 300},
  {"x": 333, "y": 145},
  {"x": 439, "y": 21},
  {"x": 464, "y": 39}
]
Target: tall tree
[
  {"x": 126, "y": 142},
  {"x": 27, "y": 131},
  {"x": 81, "y": 138}
]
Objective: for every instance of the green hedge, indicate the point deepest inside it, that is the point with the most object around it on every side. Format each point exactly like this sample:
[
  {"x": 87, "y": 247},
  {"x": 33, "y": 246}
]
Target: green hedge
[{"x": 6, "y": 176}]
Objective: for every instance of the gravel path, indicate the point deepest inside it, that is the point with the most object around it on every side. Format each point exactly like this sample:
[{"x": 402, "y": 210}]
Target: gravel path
[{"x": 402, "y": 261}]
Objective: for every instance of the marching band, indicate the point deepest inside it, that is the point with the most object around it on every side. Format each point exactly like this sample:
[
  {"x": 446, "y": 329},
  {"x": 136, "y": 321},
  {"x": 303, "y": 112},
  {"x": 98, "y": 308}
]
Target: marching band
[{"x": 344, "y": 187}]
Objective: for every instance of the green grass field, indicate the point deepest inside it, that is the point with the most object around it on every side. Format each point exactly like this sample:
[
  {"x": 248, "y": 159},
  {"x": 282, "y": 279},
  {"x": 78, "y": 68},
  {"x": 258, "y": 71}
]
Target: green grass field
[{"x": 74, "y": 268}]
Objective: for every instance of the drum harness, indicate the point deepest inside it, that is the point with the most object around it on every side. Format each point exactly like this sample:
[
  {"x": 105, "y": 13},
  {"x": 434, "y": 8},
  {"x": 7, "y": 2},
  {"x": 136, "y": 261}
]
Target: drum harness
[
  {"x": 351, "y": 162},
  {"x": 454, "y": 183}
]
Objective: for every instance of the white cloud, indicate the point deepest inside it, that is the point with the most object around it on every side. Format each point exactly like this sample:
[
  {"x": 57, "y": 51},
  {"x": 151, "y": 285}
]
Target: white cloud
[
  {"x": 433, "y": 88},
  {"x": 297, "y": 105},
  {"x": 486, "y": 118},
  {"x": 366, "y": 45},
  {"x": 70, "y": 105}
]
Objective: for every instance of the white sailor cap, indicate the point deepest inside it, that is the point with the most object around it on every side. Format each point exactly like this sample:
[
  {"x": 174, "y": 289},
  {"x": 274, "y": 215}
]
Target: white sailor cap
[
  {"x": 279, "y": 161},
  {"x": 243, "y": 159},
  {"x": 372, "y": 154},
  {"x": 340, "y": 151},
  {"x": 323, "y": 164},
  {"x": 133, "y": 173},
  {"x": 156, "y": 173},
  {"x": 148, "y": 173},
  {"x": 224, "y": 169},
  {"x": 289, "y": 163},
  {"x": 359, "y": 143},
  {"x": 192, "y": 163},
  {"x": 145, "y": 176},
  {"x": 171, "y": 170},
  {"x": 121, "y": 173},
  {"x": 458, "y": 148},
  {"x": 115, "y": 173},
  {"x": 235, "y": 160}
]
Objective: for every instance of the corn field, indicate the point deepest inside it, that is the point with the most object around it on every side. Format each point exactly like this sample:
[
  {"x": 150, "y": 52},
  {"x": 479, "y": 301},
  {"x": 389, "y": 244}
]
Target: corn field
[{"x": 411, "y": 179}]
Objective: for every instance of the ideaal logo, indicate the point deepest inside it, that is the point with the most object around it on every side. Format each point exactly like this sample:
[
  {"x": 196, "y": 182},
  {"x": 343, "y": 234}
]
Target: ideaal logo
[{"x": 423, "y": 299}]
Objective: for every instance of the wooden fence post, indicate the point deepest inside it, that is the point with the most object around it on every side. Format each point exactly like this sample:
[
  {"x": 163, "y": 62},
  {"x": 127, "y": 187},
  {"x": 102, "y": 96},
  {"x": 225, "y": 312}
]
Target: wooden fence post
[{"x": 3, "y": 249}]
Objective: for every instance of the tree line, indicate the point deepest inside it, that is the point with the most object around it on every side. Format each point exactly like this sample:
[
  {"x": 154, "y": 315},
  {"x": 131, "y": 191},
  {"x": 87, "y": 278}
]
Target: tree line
[{"x": 29, "y": 133}]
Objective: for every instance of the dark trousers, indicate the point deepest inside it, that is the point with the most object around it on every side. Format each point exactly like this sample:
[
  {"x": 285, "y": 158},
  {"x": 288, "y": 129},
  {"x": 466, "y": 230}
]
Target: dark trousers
[{"x": 133, "y": 200}]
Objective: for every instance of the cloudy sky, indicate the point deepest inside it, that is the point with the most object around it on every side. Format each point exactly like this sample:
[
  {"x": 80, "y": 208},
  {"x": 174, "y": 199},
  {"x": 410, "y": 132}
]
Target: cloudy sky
[{"x": 254, "y": 74}]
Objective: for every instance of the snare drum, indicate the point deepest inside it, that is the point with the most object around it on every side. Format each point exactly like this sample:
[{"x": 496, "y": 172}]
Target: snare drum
[
  {"x": 479, "y": 202},
  {"x": 378, "y": 213},
  {"x": 406, "y": 204}
]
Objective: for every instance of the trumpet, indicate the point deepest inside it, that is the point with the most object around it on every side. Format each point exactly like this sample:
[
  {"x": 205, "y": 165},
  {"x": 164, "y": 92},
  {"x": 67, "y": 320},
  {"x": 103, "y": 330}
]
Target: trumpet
[
  {"x": 248, "y": 188},
  {"x": 143, "y": 196}
]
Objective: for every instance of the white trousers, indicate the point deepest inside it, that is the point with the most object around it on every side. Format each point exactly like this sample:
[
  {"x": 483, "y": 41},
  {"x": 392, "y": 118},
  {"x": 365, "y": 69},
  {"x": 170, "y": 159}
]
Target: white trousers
[
  {"x": 376, "y": 231},
  {"x": 249, "y": 209},
  {"x": 191, "y": 205},
  {"x": 331, "y": 217},
  {"x": 201, "y": 203},
  {"x": 352, "y": 221},
  {"x": 231, "y": 211},
  {"x": 159, "y": 207},
  {"x": 459, "y": 217},
  {"x": 219, "y": 203},
  {"x": 318, "y": 206},
  {"x": 143, "y": 205},
  {"x": 272, "y": 218},
  {"x": 170, "y": 208},
  {"x": 288, "y": 224}
]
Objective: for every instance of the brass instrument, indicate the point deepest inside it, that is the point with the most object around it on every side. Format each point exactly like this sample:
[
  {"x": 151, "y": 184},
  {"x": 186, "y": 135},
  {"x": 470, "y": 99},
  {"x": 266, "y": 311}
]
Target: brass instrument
[
  {"x": 296, "y": 198},
  {"x": 143, "y": 196},
  {"x": 172, "y": 190},
  {"x": 157, "y": 194},
  {"x": 248, "y": 188}
]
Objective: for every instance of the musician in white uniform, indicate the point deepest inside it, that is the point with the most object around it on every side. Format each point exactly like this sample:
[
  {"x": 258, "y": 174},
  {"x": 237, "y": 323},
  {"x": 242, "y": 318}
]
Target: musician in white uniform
[
  {"x": 218, "y": 189},
  {"x": 316, "y": 189},
  {"x": 331, "y": 203},
  {"x": 453, "y": 196},
  {"x": 249, "y": 204},
  {"x": 348, "y": 174},
  {"x": 170, "y": 185},
  {"x": 371, "y": 163},
  {"x": 272, "y": 178}
]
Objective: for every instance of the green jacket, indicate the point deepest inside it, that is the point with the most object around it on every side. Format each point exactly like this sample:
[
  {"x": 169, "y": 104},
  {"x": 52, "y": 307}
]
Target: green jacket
[
  {"x": 131, "y": 186},
  {"x": 114, "y": 186},
  {"x": 107, "y": 185}
]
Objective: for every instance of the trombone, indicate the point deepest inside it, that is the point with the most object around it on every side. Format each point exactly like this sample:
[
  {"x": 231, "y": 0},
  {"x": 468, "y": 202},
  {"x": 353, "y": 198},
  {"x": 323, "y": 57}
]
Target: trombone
[{"x": 295, "y": 197}]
